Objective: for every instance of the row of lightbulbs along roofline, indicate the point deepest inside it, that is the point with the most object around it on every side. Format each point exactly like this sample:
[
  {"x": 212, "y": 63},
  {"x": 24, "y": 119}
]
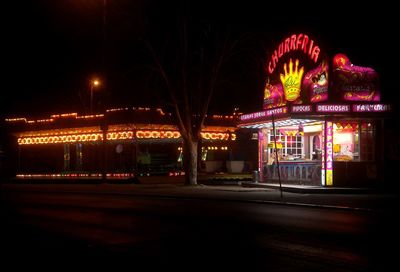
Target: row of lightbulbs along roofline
[
  {"x": 204, "y": 148},
  {"x": 120, "y": 135}
]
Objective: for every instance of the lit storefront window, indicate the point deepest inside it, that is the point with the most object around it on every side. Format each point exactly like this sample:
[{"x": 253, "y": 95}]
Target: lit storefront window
[
  {"x": 353, "y": 141},
  {"x": 291, "y": 143},
  {"x": 345, "y": 142}
]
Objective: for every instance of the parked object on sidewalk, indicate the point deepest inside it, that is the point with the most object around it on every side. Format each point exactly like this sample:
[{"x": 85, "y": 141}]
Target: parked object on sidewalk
[
  {"x": 256, "y": 176},
  {"x": 234, "y": 166}
]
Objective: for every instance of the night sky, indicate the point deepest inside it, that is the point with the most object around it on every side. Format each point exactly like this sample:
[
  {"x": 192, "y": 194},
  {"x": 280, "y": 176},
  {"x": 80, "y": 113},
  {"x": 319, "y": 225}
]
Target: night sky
[{"x": 51, "y": 49}]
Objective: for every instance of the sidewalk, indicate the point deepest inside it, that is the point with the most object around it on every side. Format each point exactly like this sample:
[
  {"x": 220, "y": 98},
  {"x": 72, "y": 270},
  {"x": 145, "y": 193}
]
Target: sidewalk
[
  {"x": 369, "y": 202},
  {"x": 305, "y": 189}
]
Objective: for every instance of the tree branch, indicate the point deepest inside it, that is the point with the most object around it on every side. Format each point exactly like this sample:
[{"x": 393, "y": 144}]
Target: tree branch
[
  {"x": 187, "y": 111},
  {"x": 213, "y": 80},
  {"x": 169, "y": 87}
]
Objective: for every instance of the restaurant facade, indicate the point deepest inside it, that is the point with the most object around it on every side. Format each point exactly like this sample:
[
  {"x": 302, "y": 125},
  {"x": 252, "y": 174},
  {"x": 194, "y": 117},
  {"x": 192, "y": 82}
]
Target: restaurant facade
[
  {"x": 322, "y": 122},
  {"x": 120, "y": 143}
]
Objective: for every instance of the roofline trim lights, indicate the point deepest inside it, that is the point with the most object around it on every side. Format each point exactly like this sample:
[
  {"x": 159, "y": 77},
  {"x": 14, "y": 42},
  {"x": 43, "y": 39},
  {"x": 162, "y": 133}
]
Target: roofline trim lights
[
  {"x": 280, "y": 123},
  {"x": 119, "y": 135}
]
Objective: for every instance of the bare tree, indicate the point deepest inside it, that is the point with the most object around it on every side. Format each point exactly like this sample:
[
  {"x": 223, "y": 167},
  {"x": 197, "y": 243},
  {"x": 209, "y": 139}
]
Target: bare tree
[{"x": 190, "y": 66}]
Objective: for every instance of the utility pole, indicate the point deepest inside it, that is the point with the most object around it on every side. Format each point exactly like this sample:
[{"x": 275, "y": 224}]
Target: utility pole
[
  {"x": 276, "y": 156},
  {"x": 104, "y": 68}
]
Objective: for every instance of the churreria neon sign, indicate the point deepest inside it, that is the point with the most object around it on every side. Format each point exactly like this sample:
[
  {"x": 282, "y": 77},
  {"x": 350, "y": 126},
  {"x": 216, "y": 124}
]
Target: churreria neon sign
[{"x": 294, "y": 42}]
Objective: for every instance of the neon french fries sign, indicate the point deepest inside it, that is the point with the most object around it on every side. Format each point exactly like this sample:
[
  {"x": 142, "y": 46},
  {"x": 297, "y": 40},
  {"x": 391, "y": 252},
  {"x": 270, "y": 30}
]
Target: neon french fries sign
[{"x": 296, "y": 73}]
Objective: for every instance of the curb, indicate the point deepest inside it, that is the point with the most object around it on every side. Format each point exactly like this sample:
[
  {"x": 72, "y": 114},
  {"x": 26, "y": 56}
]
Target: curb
[{"x": 306, "y": 190}]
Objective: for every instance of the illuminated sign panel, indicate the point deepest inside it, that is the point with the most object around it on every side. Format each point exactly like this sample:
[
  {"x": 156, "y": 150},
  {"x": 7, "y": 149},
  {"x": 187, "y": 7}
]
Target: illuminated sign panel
[
  {"x": 266, "y": 113},
  {"x": 273, "y": 96},
  {"x": 371, "y": 108},
  {"x": 301, "y": 108},
  {"x": 295, "y": 42},
  {"x": 317, "y": 109},
  {"x": 316, "y": 83},
  {"x": 291, "y": 80},
  {"x": 329, "y": 153},
  {"x": 297, "y": 73},
  {"x": 354, "y": 83},
  {"x": 333, "y": 108}
]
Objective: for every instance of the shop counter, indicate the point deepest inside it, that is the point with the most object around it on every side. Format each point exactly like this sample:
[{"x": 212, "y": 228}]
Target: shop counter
[{"x": 298, "y": 171}]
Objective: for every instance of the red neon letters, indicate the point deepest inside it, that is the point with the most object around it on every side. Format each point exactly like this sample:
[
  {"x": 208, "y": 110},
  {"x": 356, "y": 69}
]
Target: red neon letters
[{"x": 292, "y": 43}]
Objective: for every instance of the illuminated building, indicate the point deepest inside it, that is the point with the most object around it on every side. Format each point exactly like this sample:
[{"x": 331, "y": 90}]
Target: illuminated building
[
  {"x": 328, "y": 118},
  {"x": 124, "y": 142}
]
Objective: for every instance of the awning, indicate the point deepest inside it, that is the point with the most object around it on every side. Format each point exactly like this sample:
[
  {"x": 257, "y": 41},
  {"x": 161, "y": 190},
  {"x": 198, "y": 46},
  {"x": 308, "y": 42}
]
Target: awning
[{"x": 280, "y": 123}]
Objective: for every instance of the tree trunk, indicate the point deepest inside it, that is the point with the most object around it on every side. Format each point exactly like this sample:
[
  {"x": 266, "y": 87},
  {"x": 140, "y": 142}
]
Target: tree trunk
[
  {"x": 190, "y": 161},
  {"x": 199, "y": 155}
]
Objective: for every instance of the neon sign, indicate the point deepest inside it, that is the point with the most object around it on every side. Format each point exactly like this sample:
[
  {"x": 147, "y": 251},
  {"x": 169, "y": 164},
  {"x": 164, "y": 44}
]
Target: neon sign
[
  {"x": 266, "y": 113},
  {"x": 333, "y": 108},
  {"x": 371, "y": 108},
  {"x": 294, "y": 42},
  {"x": 329, "y": 153},
  {"x": 301, "y": 108},
  {"x": 297, "y": 73},
  {"x": 318, "y": 109},
  {"x": 316, "y": 83},
  {"x": 354, "y": 83},
  {"x": 273, "y": 96},
  {"x": 291, "y": 80}
]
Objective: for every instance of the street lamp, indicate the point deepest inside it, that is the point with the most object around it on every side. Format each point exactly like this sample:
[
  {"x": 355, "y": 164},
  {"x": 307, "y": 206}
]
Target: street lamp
[{"x": 93, "y": 83}]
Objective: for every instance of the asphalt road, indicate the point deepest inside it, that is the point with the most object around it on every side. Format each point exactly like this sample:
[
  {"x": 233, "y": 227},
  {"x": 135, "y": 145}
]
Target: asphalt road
[{"x": 192, "y": 234}]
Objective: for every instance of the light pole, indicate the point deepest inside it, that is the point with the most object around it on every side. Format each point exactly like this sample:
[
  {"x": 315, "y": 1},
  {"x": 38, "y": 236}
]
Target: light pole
[{"x": 93, "y": 84}]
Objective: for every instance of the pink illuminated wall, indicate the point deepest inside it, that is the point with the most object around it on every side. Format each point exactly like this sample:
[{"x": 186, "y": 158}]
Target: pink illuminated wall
[{"x": 354, "y": 83}]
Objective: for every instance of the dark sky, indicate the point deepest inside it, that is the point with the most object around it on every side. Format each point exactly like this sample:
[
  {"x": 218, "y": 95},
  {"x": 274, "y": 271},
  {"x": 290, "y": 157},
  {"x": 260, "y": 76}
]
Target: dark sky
[{"x": 51, "y": 49}]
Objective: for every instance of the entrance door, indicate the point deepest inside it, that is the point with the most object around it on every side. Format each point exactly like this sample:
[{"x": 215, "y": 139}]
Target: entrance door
[{"x": 315, "y": 145}]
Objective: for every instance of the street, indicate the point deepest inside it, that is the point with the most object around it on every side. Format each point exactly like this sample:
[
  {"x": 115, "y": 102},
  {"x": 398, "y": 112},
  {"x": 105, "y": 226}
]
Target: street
[{"x": 170, "y": 232}]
